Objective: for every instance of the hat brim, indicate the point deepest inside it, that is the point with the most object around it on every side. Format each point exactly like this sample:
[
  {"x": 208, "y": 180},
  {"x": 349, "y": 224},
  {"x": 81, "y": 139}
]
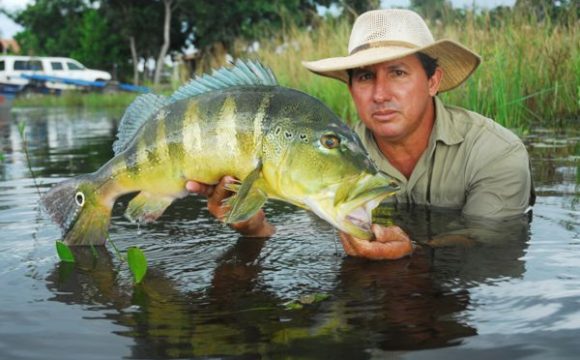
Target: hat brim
[{"x": 457, "y": 62}]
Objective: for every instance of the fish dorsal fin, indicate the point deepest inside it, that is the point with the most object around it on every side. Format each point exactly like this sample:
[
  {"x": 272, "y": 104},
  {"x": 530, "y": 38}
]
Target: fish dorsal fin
[
  {"x": 244, "y": 72},
  {"x": 144, "y": 107},
  {"x": 139, "y": 112}
]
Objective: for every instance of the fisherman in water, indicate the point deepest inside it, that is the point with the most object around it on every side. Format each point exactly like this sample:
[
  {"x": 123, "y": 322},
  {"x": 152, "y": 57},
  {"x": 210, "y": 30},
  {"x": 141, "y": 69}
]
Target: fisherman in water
[{"x": 443, "y": 156}]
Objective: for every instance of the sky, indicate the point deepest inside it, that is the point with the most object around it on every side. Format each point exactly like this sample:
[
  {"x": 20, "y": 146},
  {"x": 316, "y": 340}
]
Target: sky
[{"x": 8, "y": 28}]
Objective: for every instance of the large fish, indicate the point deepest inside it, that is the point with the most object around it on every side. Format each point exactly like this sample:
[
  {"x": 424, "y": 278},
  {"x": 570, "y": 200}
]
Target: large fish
[{"x": 281, "y": 143}]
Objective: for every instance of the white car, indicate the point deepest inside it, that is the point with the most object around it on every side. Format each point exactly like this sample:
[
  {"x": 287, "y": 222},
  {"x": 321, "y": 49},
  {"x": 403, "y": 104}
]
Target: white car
[{"x": 12, "y": 67}]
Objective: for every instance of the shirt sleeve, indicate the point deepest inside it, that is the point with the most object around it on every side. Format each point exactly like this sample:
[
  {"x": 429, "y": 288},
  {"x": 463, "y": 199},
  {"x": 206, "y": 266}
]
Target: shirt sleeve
[{"x": 501, "y": 187}]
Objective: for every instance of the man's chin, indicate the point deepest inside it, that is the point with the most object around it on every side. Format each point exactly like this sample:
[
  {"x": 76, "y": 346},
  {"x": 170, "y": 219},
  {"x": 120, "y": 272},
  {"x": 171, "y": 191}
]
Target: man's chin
[{"x": 385, "y": 129}]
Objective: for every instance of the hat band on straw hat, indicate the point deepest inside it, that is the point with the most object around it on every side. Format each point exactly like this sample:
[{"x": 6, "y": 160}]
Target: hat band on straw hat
[{"x": 385, "y": 43}]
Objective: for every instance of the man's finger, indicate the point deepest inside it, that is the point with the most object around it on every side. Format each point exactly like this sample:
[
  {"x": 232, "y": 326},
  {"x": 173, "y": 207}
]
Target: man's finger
[
  {"x": 220, "y": 191},
  {"x": 389, "y": 233},
  {"x": 345, "y": 240},
  {"x": 199, "y": 188},
  {"x": 215, "y": 203},
  {"x": 391, "y": 243}
]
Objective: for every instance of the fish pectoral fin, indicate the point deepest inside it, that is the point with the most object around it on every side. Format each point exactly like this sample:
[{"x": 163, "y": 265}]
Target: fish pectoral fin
[
  {"x": 249, "y": 198},
  {"x": 243, "y": 208},
  {"x": 146, "y": 207},
  {"x": 233, "y": 187}
]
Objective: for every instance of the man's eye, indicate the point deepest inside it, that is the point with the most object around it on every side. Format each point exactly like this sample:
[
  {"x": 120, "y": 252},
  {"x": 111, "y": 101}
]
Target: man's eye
[
  {"x": 399, "y": 72},
  {"x": 365, "y": 76}
]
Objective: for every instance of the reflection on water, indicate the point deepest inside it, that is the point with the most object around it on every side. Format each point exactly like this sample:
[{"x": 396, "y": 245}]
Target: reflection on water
[{"x": 513, "y": 289}]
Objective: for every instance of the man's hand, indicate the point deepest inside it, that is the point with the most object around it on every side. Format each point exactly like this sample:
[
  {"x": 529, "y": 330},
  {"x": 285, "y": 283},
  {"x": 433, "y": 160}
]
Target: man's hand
[
  {"x": 390, "y": 243},
  {"x": 257, "y": 226}
]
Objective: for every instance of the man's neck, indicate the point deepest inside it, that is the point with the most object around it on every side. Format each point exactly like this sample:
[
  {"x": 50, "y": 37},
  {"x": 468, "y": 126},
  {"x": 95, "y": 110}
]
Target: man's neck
[{"x": 404, "y": 153}]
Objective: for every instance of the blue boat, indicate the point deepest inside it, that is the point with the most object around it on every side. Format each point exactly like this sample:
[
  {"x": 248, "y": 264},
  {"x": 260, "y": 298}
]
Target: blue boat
[{"x": 39, "y": 83}]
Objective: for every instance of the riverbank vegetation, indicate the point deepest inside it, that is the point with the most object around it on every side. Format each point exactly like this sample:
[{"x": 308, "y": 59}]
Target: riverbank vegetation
[
  {"x": 76, "y": 99},
  {"x": 530, "y": 73}
]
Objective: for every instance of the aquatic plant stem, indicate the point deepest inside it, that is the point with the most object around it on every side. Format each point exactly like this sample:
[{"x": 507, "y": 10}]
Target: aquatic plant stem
[
  {"x": 117, "y": 252},
  {"x": 22, "y": 132}
]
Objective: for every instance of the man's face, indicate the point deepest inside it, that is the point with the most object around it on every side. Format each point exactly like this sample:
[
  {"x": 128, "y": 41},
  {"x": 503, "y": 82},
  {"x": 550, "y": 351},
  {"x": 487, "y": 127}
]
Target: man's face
[{"x": 394, "y": 98}]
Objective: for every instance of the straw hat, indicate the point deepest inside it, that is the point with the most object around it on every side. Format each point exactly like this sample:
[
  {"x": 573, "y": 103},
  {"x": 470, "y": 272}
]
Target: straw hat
[{"x": 389, "y": 34}]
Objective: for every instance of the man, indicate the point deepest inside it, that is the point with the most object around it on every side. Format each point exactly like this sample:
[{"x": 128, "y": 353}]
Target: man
[{"x": 443, "y": 156}]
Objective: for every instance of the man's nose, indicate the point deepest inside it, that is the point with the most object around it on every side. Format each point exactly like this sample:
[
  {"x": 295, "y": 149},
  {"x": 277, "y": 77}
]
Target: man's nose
[{"x": 382, "y": 90}]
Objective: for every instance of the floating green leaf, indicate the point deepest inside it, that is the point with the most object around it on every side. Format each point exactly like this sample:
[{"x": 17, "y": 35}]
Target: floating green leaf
[
  {"x": 306, "y": 299},
  {"x": 64, "y": 252},
  {"x": 137, "y": 263},
  {"x": 318, "y": 297},
  {"x": 1, "y": 157},
  {"x": 293, "y": 305}
]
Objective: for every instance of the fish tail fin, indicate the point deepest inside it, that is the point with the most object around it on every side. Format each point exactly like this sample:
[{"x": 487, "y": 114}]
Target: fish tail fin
[{"x": 79, "y": 210}]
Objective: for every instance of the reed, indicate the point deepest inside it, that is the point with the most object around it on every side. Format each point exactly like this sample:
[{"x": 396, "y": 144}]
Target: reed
[
  {"x": 76, "y": 99},
  {"x": 529, "y": 75}
]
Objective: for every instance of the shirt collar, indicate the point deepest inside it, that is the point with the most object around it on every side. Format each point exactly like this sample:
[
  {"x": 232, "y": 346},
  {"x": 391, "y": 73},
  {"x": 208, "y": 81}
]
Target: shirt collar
[{"x": 444, "y": 129}]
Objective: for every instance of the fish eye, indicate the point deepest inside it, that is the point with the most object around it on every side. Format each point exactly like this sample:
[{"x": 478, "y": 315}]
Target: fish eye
[
  {"x": 80, "y": 198},
  {"x": 330, "y": 141}
]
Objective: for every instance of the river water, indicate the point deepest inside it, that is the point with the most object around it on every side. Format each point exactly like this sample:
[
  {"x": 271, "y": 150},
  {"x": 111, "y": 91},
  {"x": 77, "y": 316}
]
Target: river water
[{"x": 511, "y": 293}]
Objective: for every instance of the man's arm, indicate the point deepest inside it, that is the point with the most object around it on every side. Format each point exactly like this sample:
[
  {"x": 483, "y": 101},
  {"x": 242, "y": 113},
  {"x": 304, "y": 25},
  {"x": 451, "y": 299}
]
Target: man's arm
[
  {"x": 501, "y": 188},
  {"x": 499, "y": 192}
]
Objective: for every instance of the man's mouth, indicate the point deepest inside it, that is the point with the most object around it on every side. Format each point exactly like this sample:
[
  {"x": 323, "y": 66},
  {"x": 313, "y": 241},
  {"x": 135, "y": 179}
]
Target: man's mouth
[{"x": 384, "y": 115}]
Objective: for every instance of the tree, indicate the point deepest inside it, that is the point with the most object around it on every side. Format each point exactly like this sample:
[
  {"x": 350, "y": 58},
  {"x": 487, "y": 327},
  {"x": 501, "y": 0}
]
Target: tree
[
  {"x": 50, "y": 26},
  {"x": 125, "y": 32},
  {"x": 69, "y": 28},
  {"x": 216, "y": 25},
  {"x": 97, "y": 46},
  {"x": 134, "y": 20},
  {"x": 353, "y": 8},
  {"x": 138, "y": 23},
  {"x": 432, "y": 9},
  {"x": 167, "y": 7},
  {"x": 548, "y": 8}
]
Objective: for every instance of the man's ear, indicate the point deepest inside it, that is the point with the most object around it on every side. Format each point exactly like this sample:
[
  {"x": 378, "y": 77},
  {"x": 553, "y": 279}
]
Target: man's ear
[{"x": 435, "y": 81}]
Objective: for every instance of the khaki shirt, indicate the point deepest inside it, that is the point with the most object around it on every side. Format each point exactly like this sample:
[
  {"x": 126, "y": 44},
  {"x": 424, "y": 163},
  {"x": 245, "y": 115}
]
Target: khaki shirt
[{"x": 471, "y": 163}]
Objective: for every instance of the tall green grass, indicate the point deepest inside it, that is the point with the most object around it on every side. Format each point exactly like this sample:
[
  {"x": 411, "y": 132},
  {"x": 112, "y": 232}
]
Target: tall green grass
[
  {"x": 530, "y": 73},
  {"x": 76, "y": 99}
]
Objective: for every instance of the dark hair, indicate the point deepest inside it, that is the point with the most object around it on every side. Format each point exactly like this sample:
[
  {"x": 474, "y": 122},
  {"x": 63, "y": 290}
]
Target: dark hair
[
  {"x": 349, "y": 72},
  {"x": 429, "y": 65}
]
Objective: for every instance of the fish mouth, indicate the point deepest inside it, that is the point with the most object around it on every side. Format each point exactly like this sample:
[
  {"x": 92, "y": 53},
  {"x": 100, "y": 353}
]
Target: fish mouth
[
  {"x": 358, "y": 218},
  {"x": 349, "y": 207}
]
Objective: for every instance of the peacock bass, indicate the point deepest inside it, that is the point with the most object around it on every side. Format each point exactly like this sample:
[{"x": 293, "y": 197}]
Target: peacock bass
[{"x": 281, "y": 143}]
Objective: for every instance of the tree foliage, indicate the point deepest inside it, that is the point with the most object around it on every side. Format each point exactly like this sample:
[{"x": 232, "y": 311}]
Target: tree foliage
[
  {"x": 97, "y": 46},
  {"x": 214, "y": 26},
  {"x": 51, "y": 27},
  {"x": 432, "y": 9},
  {"x": 121, "y": 34},
  {"x": 70, "y": 28}
]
